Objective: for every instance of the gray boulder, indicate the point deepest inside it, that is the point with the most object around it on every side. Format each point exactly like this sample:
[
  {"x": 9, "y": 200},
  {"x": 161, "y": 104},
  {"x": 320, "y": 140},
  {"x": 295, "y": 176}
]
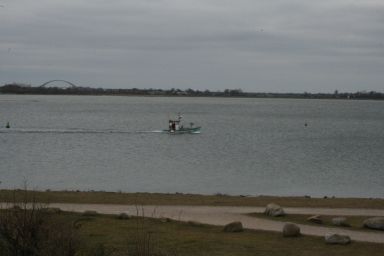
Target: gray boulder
[
  {"x": 236, "y": 226},
  {"x": 274, "y": 210},
  {"x": 374, "y": 223},
  {"x": 337, "y": 239},
  {"x": 291, "y": 230},
  {"x": 123, "y": 216},
  {"x": 340, "y": 221},
  {"x": 315, "y": 219}
]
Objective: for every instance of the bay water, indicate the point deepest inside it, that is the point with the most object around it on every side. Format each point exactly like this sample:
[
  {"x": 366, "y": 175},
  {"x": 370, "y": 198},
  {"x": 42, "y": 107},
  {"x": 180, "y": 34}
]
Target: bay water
[{"x": 246, "y": 146}]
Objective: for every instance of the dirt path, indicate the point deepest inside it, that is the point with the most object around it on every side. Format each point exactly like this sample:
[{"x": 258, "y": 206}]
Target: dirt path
[{"x": 215, "y": 215}]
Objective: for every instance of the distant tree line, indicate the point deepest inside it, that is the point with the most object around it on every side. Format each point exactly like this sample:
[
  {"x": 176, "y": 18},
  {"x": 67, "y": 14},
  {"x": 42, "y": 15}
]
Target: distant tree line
[{"x": 17, "y": 88}]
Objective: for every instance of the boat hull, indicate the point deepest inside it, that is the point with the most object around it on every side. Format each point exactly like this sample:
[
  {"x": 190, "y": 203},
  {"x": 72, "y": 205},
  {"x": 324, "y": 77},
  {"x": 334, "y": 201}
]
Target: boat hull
[{"x": 194, "y": 130}]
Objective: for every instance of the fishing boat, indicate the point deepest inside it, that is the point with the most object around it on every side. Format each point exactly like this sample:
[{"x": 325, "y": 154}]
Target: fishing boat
[{"x": 176, "y": 126}]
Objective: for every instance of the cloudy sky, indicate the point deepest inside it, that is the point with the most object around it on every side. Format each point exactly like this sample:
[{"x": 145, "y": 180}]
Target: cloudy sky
[{"x": 255, "y": 45}]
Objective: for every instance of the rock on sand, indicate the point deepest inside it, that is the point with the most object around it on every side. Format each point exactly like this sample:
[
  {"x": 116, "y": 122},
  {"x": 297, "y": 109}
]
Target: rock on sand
[
  {"x": 291, "y": 230},
  {"x": 337, "y": 239},
  {"x": 274, "y": 210},
  {"x": 374, "y": 223},
  {"x": 340, "y": 221},
  {"x": 315, "y": 219}
]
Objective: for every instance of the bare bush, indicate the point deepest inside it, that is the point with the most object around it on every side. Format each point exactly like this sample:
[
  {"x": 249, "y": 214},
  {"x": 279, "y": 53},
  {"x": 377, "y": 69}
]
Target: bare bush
[
  {"x": 27, "y": 229},
  {"x": 145, "y": 243}
]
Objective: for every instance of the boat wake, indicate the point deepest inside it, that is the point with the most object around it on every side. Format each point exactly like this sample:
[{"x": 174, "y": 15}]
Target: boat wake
[
  {"x": 155, "y": 131},
  {"x": 73, "y": 131}
]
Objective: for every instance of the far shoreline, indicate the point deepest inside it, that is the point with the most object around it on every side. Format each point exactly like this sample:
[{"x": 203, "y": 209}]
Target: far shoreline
[{"x": 72, "y": 89}]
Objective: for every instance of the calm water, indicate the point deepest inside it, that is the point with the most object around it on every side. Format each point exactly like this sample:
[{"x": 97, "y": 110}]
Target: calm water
[{"x": 247, "y": 146}]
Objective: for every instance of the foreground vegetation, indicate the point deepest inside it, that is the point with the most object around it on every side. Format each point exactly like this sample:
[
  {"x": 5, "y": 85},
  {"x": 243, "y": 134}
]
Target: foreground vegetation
[
  {"x": 30, "y": 228},
  {"x": 186, "y": 199},
  {"x": 108, "y": 235},
  {"x": 186, "y": 239}
]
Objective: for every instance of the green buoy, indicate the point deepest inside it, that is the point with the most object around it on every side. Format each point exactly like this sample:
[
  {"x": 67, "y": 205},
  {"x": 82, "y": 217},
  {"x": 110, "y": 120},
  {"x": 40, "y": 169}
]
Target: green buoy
[{"x": 7, "y": 125}]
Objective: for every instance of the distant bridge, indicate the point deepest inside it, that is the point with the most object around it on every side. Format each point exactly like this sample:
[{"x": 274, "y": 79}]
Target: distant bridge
[{"x": 72, "y": 85}]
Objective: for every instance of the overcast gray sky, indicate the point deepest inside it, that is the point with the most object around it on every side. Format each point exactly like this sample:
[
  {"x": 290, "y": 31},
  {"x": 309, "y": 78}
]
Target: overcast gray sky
[{"x": 255, "y": 45}]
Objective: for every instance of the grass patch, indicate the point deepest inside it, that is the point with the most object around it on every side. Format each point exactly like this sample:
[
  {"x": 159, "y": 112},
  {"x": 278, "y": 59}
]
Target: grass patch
[
  {"x": 95, "y": 197},
  {"x": 179, "y": 238},
  {"x": 355, "y": 222}
]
